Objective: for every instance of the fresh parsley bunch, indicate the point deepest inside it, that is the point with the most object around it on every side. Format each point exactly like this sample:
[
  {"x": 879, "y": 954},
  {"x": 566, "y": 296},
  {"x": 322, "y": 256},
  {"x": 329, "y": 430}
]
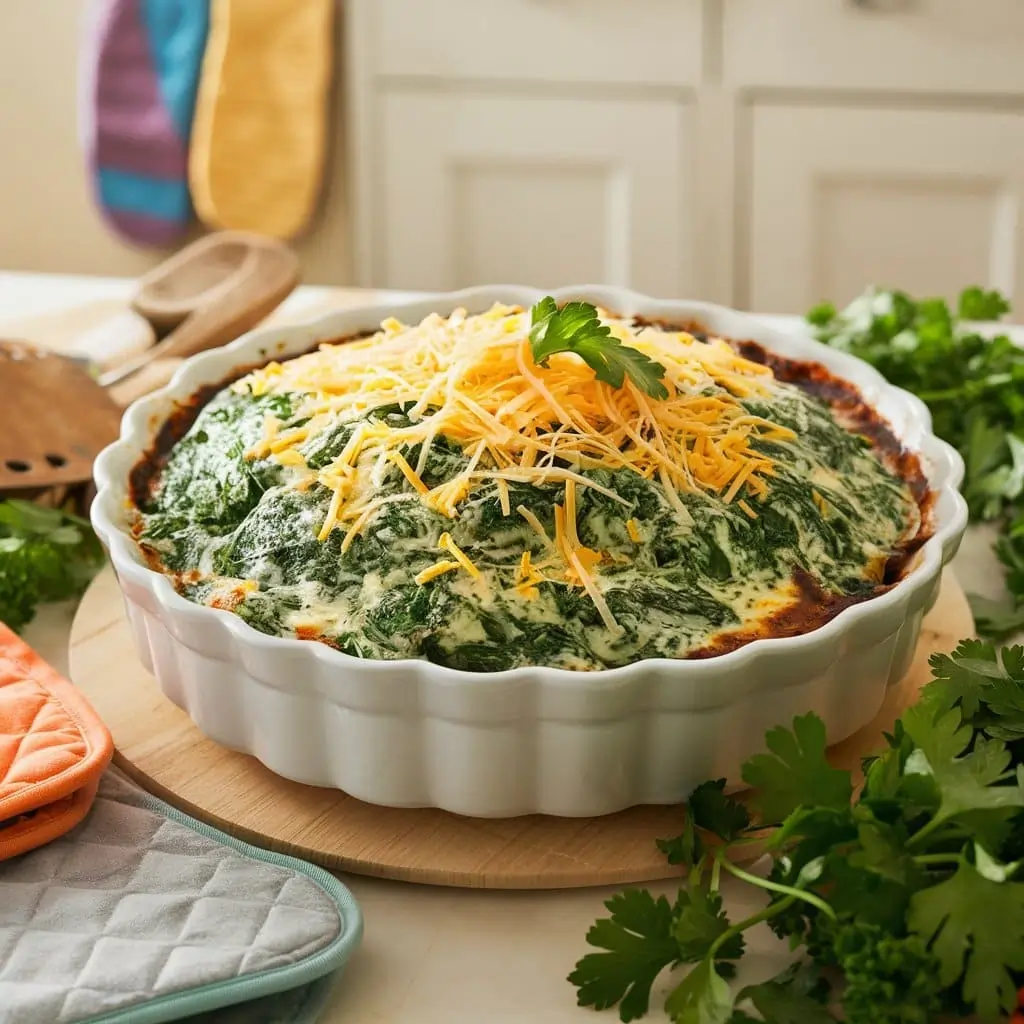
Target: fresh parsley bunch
[
  {"x": 910, "y": 893},
  {"x": 974, "y": 387},
  {"x": 45, "y": 555}
]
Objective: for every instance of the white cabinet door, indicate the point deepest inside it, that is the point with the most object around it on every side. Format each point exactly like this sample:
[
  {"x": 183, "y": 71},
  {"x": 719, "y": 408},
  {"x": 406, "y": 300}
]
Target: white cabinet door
[
  {"x": 924, "y": 200},
  {"x": 475, "y": 189}
]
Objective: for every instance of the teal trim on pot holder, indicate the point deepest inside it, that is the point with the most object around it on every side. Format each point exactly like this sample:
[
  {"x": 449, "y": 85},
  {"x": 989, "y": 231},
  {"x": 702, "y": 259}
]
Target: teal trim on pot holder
[
  {"x": 302, "y": 1005},
  {"x": 190, "y": 1002}
]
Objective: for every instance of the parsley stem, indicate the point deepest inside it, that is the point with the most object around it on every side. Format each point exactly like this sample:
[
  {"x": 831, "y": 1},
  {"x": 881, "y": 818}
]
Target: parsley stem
[
  {"x": 924, "y": 831},
  {"x": 925, "y": 859},
  {"x": 697, "y": 871},
  {"x": 788, "y": 890},
  {"x": 716, "y": 870},
  {"x": 748, "y": 922},
  {"x": 762, "y": 915}
]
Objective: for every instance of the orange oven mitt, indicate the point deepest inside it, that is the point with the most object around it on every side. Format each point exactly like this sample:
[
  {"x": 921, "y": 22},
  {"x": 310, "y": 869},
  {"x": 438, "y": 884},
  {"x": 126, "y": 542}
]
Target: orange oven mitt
[{"x": 53, "y": 750}]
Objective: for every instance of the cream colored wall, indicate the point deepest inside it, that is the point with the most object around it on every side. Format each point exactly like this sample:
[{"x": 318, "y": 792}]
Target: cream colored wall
[{"x": 48, "y": 221}]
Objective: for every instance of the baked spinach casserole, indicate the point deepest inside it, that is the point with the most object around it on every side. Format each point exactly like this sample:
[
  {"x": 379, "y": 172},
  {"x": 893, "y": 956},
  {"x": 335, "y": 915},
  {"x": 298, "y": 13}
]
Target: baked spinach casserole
[{"x": 556, "y": 487}]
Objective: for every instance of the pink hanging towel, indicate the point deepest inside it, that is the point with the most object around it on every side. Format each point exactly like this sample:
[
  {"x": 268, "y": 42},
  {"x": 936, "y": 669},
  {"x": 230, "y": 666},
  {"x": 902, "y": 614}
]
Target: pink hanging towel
[{"x": 140, "y": 74}]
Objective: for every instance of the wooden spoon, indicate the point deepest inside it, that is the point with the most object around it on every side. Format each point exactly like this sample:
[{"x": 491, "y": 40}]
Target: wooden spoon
[
  {"x": 230, "y": 281},
  {"x": 193, "y": 277},
  {"x": 152, "y": 376}
]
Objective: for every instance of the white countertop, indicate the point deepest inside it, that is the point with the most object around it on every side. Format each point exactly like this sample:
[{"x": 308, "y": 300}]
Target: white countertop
[
  {"x": 430, "y": 954},
  {"x": 24, "y": 295}
]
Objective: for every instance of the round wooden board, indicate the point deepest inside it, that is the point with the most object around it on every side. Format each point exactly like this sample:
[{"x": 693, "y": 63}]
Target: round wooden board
[{"x": 160, "y": 748}]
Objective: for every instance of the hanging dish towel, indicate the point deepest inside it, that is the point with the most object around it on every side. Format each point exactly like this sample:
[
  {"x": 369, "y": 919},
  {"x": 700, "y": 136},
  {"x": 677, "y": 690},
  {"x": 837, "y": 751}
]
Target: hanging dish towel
[
  {"x": 142, "y": 914},
  {"x": 140, "y": 74},
  {"x": 53, "y": 750},
  {"x": 258, "y": 139}
]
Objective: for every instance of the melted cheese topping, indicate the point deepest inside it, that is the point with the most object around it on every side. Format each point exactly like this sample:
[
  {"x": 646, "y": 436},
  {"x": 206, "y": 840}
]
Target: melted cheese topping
[{"x": 473, "y": 380}]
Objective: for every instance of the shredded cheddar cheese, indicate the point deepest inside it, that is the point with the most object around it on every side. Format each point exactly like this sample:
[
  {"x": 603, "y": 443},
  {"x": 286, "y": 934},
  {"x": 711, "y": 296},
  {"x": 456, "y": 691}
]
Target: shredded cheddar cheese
[
  {"x": 433, "y": 571},
  {"x": 527, "y": 578},
  {"x": 503, "y": 496},
  {"x": 472, "y": 380},
  {"x": 447, "y": 544},
  {"x": 408, "y": 472}
]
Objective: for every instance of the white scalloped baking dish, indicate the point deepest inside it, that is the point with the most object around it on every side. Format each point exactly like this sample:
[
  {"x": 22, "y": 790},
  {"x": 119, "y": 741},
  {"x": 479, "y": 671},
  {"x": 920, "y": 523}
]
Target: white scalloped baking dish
[{"x": 413, "y": 734}]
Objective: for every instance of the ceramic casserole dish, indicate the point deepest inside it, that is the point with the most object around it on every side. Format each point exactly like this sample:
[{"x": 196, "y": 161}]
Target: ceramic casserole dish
[{"x": 413, "y": 733}]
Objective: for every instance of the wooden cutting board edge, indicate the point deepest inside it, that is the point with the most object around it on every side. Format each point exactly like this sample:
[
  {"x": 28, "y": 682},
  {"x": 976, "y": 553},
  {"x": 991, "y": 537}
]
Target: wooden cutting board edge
[{"x": 159, "y": 747}]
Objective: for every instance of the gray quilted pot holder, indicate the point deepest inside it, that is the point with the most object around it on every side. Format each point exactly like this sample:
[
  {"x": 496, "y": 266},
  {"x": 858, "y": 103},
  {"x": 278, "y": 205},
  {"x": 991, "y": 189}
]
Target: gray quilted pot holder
[{"x": 142, "y": 914}]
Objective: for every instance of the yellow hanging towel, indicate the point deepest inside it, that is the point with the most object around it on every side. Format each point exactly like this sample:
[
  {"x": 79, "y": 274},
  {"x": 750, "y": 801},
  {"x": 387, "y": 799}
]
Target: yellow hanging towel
[{"x": 258, "y": 135}]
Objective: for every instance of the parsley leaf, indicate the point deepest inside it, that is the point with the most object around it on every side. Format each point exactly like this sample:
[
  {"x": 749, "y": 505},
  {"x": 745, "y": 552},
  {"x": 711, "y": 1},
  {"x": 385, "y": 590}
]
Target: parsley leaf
[
  {"x": 978, "y": 304},
  {"x": 866, "y": 894},
  {"x": 45, "y": 555},
  {"x": 965, "y": 783},
  {"x": 815, "y": 830},
  {"x": 989, "y": 688},
  {"x": 821, "y": 315},
  {"x": 995, "y": 475},
  {"x": 576, "y": 327},
  {"x": 995, "y": 618},
  {"x": 960, "y": 677},
  {"x": 639, "y": 945},
  {"x": 1010, "y": 551},
  {"x": 796, "y": 996},
  {"x": 938, "y": 738},
  {"x": 711, "y": 810},
  {"x": 685, "y": 848},
  {"x": 700, "y": 921},
  {"x": 1005, "y": 701},
  {"x": 883, "y": 851},
  {"x": 796, "y": 772},
  {"x": 643, "y": 936},
  {"x": 702, "y": 997},
  {"x": 973, "y": 385},
  {"x": 715, "y": 812},
  {"x": 975, "y": 927}
]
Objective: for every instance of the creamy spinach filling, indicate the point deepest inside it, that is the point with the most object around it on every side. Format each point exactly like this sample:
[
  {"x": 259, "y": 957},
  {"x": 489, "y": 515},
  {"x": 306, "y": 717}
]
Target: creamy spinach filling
[{"x": 236, "y": 532}]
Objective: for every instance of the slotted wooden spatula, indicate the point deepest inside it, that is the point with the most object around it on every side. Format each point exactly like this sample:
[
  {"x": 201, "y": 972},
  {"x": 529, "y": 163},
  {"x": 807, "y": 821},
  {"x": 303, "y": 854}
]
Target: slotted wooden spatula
[{"x": 54, "y": 419}]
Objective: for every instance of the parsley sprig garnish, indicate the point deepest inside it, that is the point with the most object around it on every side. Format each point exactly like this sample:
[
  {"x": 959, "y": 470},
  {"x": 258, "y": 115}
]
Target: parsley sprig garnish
[
  {"x": 974, "y": 387},
  {"x": 576, "y": 327},
  {"x": 913, "y": 889}
]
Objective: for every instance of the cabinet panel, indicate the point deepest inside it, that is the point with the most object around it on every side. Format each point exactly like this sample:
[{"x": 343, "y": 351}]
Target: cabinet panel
[
  {"x": 943, "y": 46},
  {"x": 601, "y": 41},
  {"x": 928, "y": 201},
  {"x": 484, "y": 188}
]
